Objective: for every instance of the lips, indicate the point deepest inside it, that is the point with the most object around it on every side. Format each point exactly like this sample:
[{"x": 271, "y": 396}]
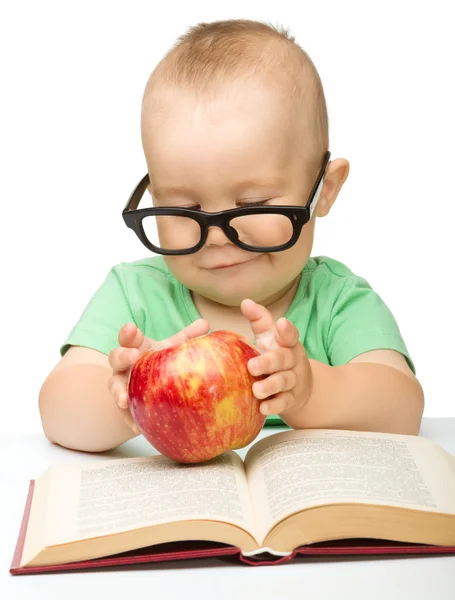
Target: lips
[{"x": 227, "y": 265}]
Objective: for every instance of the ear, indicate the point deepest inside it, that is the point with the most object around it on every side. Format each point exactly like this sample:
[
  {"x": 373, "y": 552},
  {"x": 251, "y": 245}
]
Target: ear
[{"x": 335, "y": 175}]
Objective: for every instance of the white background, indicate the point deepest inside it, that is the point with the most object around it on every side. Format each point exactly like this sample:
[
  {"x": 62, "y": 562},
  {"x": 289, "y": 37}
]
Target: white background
[{"x": 72, "y": 77}]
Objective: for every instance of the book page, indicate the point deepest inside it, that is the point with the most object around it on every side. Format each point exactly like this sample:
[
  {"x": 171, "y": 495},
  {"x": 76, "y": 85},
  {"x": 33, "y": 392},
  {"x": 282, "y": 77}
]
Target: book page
[
  {"x": 103, "y": 498},
  {"x": 294, "y": 470}
]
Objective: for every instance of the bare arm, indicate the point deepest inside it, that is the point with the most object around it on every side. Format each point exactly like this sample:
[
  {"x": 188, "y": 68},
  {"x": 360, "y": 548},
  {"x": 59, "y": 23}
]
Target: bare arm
[
  {"x": 363, "y": 395},
  {"x": 84, "y": 401},
  {"x": 77, "y": 410}
]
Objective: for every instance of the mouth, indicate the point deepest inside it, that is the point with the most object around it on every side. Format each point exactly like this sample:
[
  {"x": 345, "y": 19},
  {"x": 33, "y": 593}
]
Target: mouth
[
  {"x": 228, "y": 266},
  {"x": 223, "y": 266}
]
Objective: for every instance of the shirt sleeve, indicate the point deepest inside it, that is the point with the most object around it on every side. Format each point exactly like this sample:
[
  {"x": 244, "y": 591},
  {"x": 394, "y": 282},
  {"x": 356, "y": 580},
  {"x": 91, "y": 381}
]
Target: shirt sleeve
[
  {"x": 107, "y": 311},
  {"x": 360, "y": 322}
]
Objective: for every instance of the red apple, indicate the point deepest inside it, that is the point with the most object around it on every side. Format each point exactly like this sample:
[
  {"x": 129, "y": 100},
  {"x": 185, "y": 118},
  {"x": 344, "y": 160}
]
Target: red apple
[{"x": 194, "y": 401}]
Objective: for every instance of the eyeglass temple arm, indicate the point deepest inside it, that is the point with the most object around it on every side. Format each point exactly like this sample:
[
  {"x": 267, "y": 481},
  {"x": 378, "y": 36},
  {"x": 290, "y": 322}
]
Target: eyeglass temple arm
[
  {"x": 135, "y": 198},
  {"x": 315, "y": 192}
]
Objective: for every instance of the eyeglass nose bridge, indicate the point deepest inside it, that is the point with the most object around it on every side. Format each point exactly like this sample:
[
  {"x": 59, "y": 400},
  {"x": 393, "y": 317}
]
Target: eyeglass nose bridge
[
  {"x": 218, "y": 220},
  {"x": 223, "y": 224}
]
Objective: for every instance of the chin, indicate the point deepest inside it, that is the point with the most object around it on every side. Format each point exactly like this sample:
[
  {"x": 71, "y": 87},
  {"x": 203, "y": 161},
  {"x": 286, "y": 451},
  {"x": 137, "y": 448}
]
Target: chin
[{"x": 232, "y": 295}]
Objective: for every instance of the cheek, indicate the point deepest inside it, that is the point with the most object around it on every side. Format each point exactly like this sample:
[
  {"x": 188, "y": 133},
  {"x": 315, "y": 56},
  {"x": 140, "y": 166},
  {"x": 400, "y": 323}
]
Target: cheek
[
  {"x": 305, "y": 242},
  {"x": 293, "y": 260},
  {"x": 180, "y": 266}
]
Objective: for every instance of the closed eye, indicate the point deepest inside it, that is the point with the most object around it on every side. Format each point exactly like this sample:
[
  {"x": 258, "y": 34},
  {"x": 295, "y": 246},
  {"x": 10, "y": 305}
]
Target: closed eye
[
  {"x": 244, "y": 204},
  {"x": 257, "y": 203}
]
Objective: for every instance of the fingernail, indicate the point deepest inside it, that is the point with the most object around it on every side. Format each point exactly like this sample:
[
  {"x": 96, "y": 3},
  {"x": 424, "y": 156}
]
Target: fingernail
[
  {"x": 253, "y": 366},
  {"x": 136, "y": 429},
  {"x": 264, "y": 408}
]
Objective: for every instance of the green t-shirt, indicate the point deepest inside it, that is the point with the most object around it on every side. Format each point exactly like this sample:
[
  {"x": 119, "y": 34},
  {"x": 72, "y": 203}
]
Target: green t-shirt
[{"x": 337, "y": 313}]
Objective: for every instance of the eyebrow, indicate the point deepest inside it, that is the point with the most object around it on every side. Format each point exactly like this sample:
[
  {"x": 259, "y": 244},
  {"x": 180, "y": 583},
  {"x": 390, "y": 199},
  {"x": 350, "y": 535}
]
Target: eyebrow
[{"x": 160, "y": 192}]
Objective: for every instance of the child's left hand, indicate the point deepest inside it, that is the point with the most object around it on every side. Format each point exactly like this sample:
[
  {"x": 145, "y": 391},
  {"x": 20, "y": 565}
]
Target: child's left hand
[{"x": 283, "y": 358}]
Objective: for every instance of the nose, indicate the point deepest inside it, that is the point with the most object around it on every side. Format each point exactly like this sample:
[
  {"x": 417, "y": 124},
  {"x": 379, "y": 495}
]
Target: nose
[{"x": 216, "y": 237}]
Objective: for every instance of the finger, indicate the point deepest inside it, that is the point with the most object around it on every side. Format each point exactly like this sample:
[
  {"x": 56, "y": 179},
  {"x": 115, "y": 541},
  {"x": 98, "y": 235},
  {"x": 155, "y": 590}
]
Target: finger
[
  {"x": 276, "y": 383},
  {"x": 118, "y": 391},
  {"x": 272, "y": 361},
  {"x": 278, "y": 404},
  {"x": 286, "y": 333},
  {"x": 129, "y": 420},
  {"x": 195, "y": 329},
  {"x": 262, "y": 323},
  {"x": 122, "y": 359},
  {"x": 130, "y": 336}
]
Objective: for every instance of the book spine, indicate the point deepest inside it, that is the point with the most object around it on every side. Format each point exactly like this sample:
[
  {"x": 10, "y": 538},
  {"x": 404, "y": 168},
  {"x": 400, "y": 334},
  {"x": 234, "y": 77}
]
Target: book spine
[
  {"x": 261, "y": 561},
  {"x": 265, "y": 549}
]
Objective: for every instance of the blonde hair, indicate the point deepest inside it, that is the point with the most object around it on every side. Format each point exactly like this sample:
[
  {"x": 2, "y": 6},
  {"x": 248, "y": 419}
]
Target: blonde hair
[{"x": 210, "y": 55}]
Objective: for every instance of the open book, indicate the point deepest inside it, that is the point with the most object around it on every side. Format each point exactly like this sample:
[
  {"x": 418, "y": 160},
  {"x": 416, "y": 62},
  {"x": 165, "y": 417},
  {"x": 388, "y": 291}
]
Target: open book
[{"x": 294, "y": 488}]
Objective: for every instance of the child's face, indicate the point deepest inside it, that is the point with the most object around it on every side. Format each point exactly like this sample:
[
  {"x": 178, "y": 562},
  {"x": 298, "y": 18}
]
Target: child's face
[{"x": 210, "y": 150}]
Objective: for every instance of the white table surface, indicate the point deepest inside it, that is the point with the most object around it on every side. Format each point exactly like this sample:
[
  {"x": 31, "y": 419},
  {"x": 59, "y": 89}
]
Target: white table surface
[{"x": 25, "y": 457}]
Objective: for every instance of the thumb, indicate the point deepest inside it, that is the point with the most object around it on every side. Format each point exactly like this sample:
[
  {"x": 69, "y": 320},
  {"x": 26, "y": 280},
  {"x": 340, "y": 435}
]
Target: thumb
[
  {"x": 195, "y": 329},
  {"x": 131, "y": 336}
]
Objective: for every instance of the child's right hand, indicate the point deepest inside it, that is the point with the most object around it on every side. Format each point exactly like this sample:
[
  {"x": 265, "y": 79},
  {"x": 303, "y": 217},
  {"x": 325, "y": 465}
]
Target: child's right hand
[{"x": 133, "y": 344}]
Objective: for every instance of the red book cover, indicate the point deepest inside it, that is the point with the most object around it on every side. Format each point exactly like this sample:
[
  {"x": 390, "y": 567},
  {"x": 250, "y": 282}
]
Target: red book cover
[{"x": 202, "y": 549}]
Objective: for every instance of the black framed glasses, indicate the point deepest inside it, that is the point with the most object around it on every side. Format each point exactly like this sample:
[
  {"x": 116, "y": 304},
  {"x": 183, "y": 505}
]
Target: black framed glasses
[{"x": 177, "y": 231}]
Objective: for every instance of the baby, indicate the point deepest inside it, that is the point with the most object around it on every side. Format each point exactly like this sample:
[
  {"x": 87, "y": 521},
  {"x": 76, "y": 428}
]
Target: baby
[{"x": 234, "y": 128}]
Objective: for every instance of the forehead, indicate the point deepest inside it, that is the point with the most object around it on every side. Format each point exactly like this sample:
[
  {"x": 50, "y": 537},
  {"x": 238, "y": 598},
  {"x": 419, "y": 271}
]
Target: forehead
[{"x": 243, "y": 127}]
